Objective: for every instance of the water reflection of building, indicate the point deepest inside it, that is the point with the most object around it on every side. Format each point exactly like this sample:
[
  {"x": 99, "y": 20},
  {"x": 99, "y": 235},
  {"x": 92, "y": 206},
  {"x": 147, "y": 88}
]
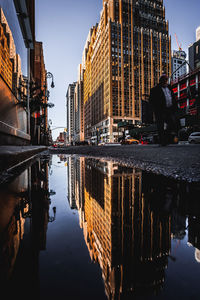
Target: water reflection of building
[
  {"x": 128, "y": 219},
  {"x": 71, "y": 185},
  {"x": 128, "y": 238},
  {"x": 24, "y": 216},
  {"x": 75, "y": 172},
  {"x": 13, "y": 208}
]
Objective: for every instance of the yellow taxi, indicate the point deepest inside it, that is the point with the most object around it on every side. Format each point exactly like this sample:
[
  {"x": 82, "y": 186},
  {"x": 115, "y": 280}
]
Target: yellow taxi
[{"x": 130, "y": 140}]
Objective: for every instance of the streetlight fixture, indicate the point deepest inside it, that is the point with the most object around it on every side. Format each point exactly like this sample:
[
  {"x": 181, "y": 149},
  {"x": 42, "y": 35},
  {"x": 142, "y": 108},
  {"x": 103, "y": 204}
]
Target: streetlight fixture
[
  {"x": 47, "y": 94},
  {"x": 50, "y": 75}
]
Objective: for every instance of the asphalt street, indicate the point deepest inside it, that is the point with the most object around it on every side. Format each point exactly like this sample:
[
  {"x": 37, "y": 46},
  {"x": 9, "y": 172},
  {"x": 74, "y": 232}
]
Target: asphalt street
[{"x": 181, "y": 162}]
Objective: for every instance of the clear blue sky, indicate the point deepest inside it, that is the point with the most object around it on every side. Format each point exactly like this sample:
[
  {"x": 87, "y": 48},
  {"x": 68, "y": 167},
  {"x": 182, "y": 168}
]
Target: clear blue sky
[{"x": 63, "y": 26}]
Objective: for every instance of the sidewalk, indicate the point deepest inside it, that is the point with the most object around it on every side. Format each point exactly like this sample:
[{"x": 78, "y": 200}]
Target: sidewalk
[{"x": 11, "y": 156}]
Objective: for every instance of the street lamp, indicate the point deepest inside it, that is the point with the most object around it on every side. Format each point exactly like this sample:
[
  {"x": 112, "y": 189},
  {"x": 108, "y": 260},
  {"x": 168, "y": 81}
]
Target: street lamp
[
  {"x": 47, "y": 94},
  {"x": 50, "y": 75}
]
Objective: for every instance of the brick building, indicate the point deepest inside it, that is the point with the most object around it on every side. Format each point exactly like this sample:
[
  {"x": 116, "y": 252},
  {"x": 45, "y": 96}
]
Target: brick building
[{"x": 40, "y": 113}]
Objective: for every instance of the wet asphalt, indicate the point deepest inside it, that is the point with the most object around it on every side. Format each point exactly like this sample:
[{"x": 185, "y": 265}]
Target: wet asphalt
[{"x": 180, "y": 162}]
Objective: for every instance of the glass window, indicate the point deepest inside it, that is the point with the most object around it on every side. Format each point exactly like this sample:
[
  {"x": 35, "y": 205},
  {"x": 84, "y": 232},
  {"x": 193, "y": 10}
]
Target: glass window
[{"x": 8, "y": 15}]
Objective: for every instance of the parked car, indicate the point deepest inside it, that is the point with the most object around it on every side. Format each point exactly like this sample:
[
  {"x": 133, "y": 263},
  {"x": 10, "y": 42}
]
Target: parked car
[
  {"x": 146, "y": 140},
  {"x": 112, "y": 144},
  {"x": 130, "y": 141},
  {"x": 101, "y": 143},
  {"x": 194, "y": 138}
]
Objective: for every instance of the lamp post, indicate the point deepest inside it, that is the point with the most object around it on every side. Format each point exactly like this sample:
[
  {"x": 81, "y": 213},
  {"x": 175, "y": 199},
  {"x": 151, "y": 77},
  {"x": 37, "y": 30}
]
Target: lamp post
[{"x": 48, "y": 75}]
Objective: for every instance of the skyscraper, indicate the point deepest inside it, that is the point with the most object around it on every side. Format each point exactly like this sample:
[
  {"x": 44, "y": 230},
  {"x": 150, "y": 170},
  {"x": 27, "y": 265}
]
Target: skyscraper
[
  {"x": 126, "y": 53},
  {"x": 70, "y": 112}
]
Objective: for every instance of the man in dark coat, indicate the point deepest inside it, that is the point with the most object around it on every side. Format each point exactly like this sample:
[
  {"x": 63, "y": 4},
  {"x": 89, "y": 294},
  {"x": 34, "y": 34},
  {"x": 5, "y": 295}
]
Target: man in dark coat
[{"x": 163, "y": 103}]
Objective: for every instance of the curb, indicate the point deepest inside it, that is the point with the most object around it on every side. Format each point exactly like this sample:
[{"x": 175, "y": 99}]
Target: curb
[{"x": 14, "y": 157}]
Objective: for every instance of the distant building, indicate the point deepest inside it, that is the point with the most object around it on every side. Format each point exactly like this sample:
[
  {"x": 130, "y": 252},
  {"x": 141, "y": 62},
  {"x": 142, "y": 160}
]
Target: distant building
[
  {"x": 61, "y": 137},
  {"x": 194, "y": 51},
  {"x": 179, "y": 67},
  {"x": 198, "y": 33},
  {"x": 79, "y": 108},
  {"x": 70, "y": 109}
]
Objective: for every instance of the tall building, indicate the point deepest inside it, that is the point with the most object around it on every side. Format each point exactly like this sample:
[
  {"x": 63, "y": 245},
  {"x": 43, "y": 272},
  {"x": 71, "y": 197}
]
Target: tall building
[
  {"x": 40, "y": 115},
  {"x": 124, "y": 56},
  {"x": 179, "y": 67},
  {"x": 194, "y": 51},
  {"x": 198, "y": 33},
  {"x": 70, "y": 112},
  {"x": 78, "y": 108}
]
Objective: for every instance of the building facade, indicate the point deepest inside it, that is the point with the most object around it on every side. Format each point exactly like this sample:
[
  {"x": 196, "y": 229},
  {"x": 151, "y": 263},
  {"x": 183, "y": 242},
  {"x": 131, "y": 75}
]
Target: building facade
[
  {"x": 198, "y": 33},
  {"x": 179, "y": 67},
  {"x": 39, "y": 114},
  {"x": 124, "y": 56},
  {"x": 70, "y": 109},
  {"x": 79, "y": 108},
  {"x": 187, "y": 93},
  {"x": 5, "y": 61},
  {"x": 17, "y": 36},
  {"x": 194, "y": 51}
]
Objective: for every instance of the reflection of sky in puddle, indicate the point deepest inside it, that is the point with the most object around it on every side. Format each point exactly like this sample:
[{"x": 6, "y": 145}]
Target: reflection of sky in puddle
[{"x": 113, "y": 230}]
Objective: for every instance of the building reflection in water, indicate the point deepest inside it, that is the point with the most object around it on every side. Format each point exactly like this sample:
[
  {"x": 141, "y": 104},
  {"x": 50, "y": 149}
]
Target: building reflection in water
[
  {"x": 129, "y": 218},
  {"x": 24, "y": 216}
]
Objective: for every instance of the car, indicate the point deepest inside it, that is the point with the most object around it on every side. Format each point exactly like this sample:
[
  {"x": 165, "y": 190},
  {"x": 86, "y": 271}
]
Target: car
[
  {"x": 101, "y": 144},
  {"x": 112, "y": 144},
  {"x": 194, "y": 137},
  {"x": 130, "y": 141}
]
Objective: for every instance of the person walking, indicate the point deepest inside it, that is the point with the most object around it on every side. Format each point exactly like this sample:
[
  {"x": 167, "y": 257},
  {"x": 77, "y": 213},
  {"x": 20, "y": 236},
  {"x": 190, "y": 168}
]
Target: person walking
[{"x": 164, "y": 106}]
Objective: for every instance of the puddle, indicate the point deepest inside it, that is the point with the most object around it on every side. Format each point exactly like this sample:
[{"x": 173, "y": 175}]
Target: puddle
[{"x": 80, "y": 228}]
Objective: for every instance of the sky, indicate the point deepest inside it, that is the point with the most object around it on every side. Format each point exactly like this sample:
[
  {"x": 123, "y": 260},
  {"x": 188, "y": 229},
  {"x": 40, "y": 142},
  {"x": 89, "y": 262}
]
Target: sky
[{"x": 63, "y": 27}]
